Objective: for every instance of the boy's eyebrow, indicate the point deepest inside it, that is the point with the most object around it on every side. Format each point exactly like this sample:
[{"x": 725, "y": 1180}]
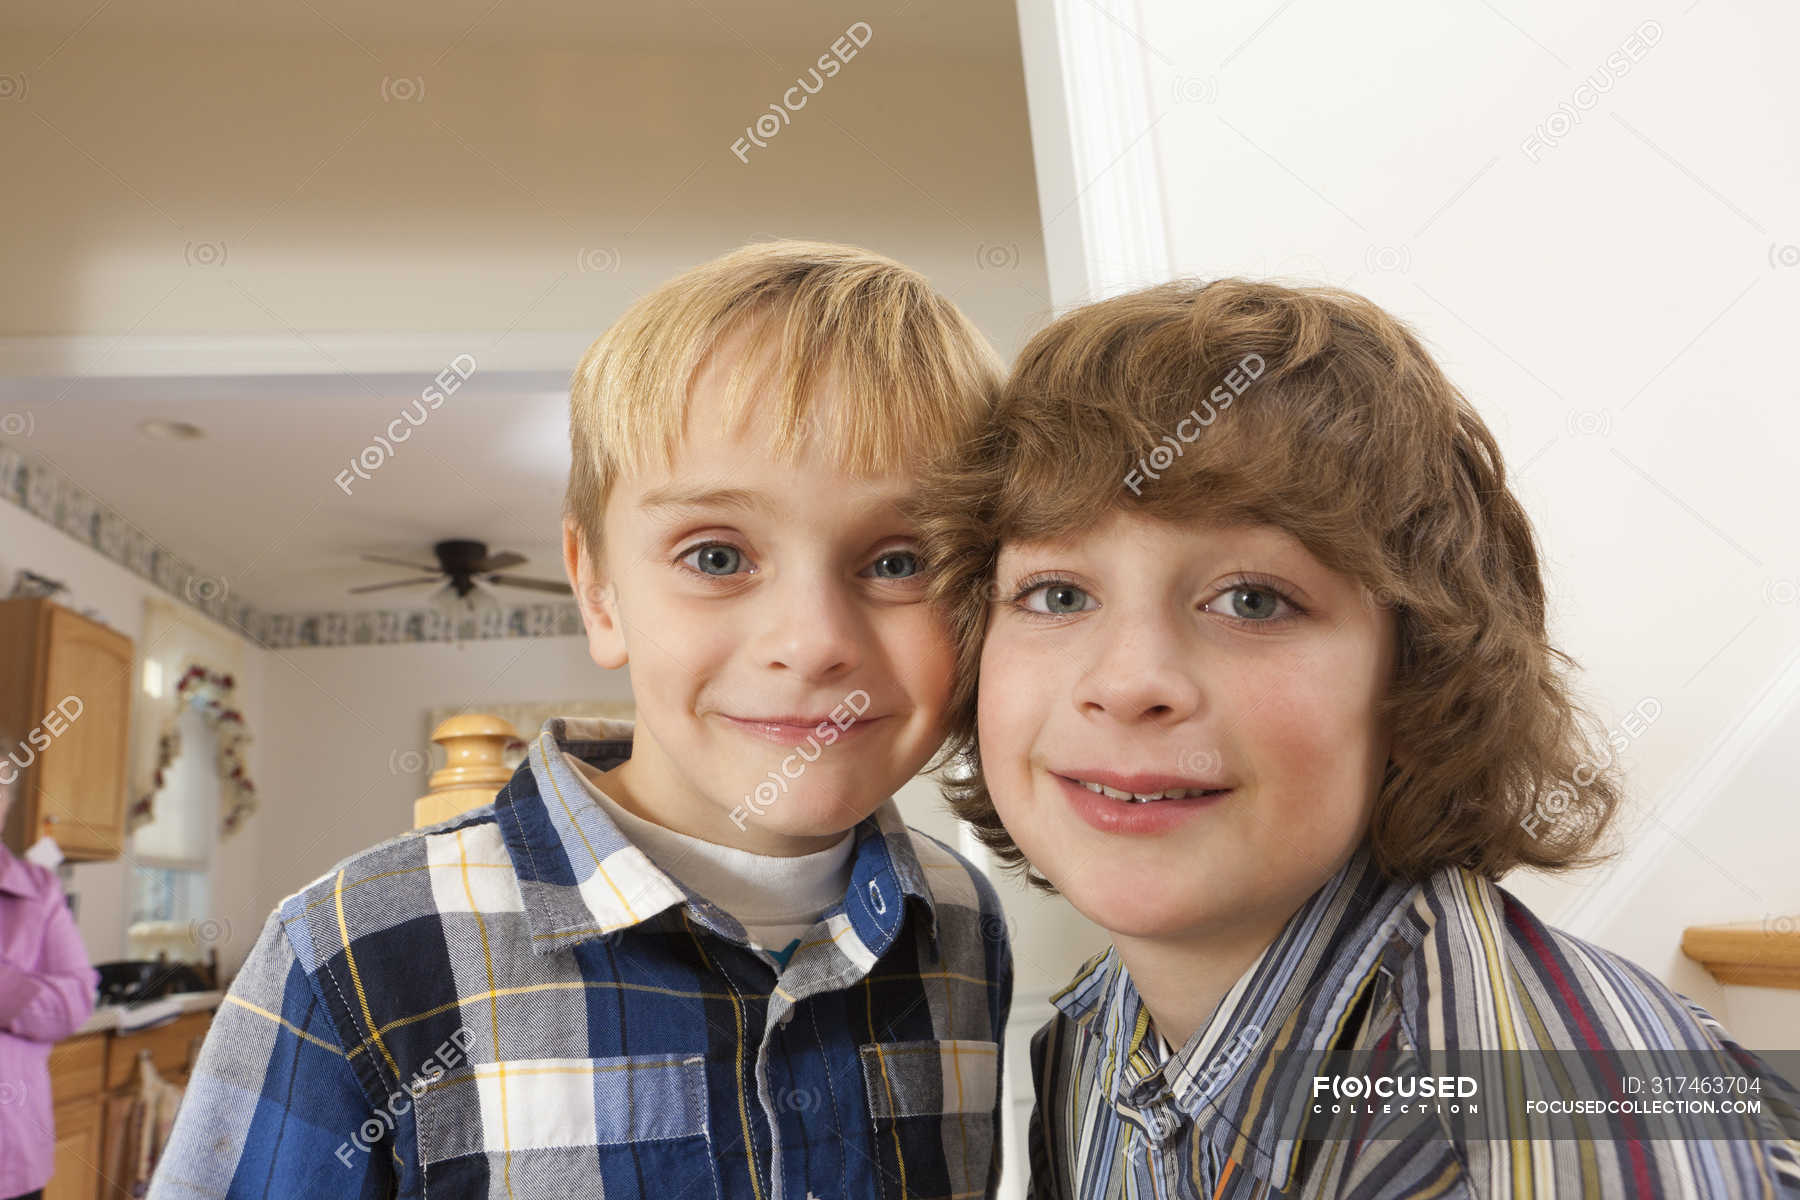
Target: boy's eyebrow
[{"x": 677, "y": 496}]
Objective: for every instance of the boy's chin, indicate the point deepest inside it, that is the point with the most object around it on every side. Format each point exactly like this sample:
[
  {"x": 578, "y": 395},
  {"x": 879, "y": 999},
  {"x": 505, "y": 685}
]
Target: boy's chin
[
  {"x": 802, "y": 815},
  {"x": 1125, "y": 904}
]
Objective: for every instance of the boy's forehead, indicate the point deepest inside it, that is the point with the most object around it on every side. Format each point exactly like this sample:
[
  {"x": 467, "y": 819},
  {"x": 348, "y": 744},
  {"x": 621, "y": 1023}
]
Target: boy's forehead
[
  {"x": 1122, "y": 523},
  {"x": 717, "y": 421},
  {"x": 739, "y": 464},
  {"x": 745, "y": 350},
  {"x": 691, "y": 493}
]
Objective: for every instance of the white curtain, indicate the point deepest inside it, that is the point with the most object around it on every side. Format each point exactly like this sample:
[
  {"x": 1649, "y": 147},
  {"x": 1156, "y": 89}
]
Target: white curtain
[
  {"x": 174, "y": 638},
  {"x": 186, "y": 820}
]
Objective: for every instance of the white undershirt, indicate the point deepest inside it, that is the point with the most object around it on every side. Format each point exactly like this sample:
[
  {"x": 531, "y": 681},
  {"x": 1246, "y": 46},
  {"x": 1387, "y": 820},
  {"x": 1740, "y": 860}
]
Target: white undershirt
[{"x": 776, "y": 899}]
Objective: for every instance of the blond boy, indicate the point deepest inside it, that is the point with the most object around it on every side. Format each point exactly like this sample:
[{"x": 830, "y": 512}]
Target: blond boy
[{"x": 697, "y": 954}]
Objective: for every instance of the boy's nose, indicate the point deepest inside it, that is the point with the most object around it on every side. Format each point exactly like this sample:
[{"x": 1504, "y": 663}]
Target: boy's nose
[
  {"x": 810, "y": 632},
  {"x": 1138, "y": 679}
]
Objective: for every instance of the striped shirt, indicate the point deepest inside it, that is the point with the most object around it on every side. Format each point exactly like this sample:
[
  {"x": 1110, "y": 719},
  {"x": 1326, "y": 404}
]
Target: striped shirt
[
  {"x": 518, "y": 1003},
  {"x": 1374, "y": 991}
]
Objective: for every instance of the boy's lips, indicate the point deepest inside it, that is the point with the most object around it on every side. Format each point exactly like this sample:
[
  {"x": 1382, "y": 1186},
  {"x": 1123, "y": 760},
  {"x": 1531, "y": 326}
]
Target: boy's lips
[
  {"x": 1110, "y": 814},
  {"x": 791, "y": 730},
  {"x": 1141, "y": 782}
]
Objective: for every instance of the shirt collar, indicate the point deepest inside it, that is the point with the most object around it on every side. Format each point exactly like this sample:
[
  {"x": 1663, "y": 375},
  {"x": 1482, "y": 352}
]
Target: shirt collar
[
  {"x": 582, "y": 878},
  {"x": 15, "y": 875},
  {"x": 1291, "y": 1000}
]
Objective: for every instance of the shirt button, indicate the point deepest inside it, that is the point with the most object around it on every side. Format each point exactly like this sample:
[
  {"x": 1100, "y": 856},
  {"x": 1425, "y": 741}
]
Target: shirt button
[{"x": 1161, "y": 1125}]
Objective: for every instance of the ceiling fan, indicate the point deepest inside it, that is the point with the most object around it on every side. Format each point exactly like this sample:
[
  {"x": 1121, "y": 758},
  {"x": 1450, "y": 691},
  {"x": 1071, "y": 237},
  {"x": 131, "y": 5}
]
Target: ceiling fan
[{"x": 465, "y": 565}]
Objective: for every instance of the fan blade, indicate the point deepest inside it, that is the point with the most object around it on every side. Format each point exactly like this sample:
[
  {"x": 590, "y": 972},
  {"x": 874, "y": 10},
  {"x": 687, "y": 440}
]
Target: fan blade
[
  {"x": 400, "y": 562},
  {"x": 379, "y": 587},
  {"x": 498, "y": 562},
  {"x": 536, "y": 585}
]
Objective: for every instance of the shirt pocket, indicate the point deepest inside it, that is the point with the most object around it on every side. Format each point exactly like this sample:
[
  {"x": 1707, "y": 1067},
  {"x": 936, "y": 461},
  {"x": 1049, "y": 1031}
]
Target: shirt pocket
[
  {"x": 932, "y": 1106},
  {"x": 627, "y": 1128}
]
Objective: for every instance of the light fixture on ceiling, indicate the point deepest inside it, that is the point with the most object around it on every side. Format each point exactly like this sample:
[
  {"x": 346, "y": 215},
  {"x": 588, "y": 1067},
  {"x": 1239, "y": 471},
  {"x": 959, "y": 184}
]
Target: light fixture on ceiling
[
  {"x": 480, "y": 598},
  {"x": 174, "y": 431}
]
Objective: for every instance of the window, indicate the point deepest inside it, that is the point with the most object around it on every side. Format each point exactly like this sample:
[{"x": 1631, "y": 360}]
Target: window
[{"x": 171, "y": 856}]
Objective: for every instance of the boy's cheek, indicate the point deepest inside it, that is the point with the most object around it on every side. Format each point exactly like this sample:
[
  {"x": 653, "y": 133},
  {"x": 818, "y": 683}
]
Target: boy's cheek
[
  {"x": 1013, "y": 704},
  {"x": 921, "y": 646},
  {"x": 1005, "y": 743}
]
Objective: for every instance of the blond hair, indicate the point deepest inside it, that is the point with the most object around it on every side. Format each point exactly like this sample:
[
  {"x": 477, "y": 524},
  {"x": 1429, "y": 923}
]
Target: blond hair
[
  {"x": 917, "y": 373},
  {"x": 1352, "y": 440}
]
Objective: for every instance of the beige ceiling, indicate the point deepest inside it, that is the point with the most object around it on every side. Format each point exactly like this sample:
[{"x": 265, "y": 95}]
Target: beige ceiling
[
  {"x": 956, "y": 27},
  {"x": 256, "y": 503}
]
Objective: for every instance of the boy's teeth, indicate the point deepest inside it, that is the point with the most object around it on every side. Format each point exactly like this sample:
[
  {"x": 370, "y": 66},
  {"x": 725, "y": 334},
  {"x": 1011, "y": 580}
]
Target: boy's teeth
[{"x": 1142, "y": 797}]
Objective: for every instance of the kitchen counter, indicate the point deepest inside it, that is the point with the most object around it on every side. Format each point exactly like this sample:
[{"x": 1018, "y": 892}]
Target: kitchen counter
[{"x": 126, "y": 1018}]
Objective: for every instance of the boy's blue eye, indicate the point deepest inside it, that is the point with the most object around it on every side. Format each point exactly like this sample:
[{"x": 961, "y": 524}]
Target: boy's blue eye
[
  {"x": 1060, "y": 599},
  {"x": 1265, "y": 604},
  {"x": 1258, "y": 611},
  {"x": 896, "y": 564},
  {"x": 715, "y": 558}
]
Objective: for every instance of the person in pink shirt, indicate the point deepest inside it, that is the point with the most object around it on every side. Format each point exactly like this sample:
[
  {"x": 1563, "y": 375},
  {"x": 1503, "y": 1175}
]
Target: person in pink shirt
[{"x": 47, "y": 989}]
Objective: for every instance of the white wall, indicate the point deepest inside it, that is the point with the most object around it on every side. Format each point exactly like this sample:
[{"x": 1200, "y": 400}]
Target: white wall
[
  {"x": 1613, "y": 284},
  {"x": 344, "y": 763}
]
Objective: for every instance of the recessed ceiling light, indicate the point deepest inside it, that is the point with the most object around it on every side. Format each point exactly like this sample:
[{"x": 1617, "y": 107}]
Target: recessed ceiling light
[{"x": 176, "y": 430}]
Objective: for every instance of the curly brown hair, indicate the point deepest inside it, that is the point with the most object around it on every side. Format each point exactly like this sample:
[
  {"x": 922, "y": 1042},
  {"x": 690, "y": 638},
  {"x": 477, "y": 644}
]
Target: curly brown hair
[{"x": 1317, "y": 412}]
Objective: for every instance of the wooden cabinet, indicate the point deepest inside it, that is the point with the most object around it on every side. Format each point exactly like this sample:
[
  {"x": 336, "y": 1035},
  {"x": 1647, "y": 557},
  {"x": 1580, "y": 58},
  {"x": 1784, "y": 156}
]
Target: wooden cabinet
[
  {"x": 76, "y": 1167},
  {"x": 66, "y": 685},
  {"x": 83, "y": 1069},
  {"x": 77, "y": 1069}
]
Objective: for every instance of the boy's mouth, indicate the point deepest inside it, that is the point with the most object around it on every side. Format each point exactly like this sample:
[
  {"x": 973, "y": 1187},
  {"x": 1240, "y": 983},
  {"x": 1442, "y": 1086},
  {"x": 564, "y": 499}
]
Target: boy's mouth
[
  {"x": 791, "y": 730},
  {"x": 1149, "y": 797},
  {"x": 1149, "y": 805},
  {"x": 1143, "y": 788}
]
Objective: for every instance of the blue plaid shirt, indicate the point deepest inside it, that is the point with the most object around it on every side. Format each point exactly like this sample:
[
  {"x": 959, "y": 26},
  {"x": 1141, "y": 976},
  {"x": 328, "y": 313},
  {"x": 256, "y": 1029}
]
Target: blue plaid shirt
[{"x": 518, "y": 1003}]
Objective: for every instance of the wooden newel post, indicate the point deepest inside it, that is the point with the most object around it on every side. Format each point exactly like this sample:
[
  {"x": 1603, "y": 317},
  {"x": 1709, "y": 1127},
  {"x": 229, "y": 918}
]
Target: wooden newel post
[{"x": 474, "y": 768}]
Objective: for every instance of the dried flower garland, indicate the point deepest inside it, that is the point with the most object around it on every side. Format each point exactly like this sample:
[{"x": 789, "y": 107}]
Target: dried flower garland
[{"x": 212, "y": 695}]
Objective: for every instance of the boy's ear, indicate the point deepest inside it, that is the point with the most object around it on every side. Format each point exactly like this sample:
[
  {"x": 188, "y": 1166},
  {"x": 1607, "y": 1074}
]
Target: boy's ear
[{"x": 598, "y": 601}]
